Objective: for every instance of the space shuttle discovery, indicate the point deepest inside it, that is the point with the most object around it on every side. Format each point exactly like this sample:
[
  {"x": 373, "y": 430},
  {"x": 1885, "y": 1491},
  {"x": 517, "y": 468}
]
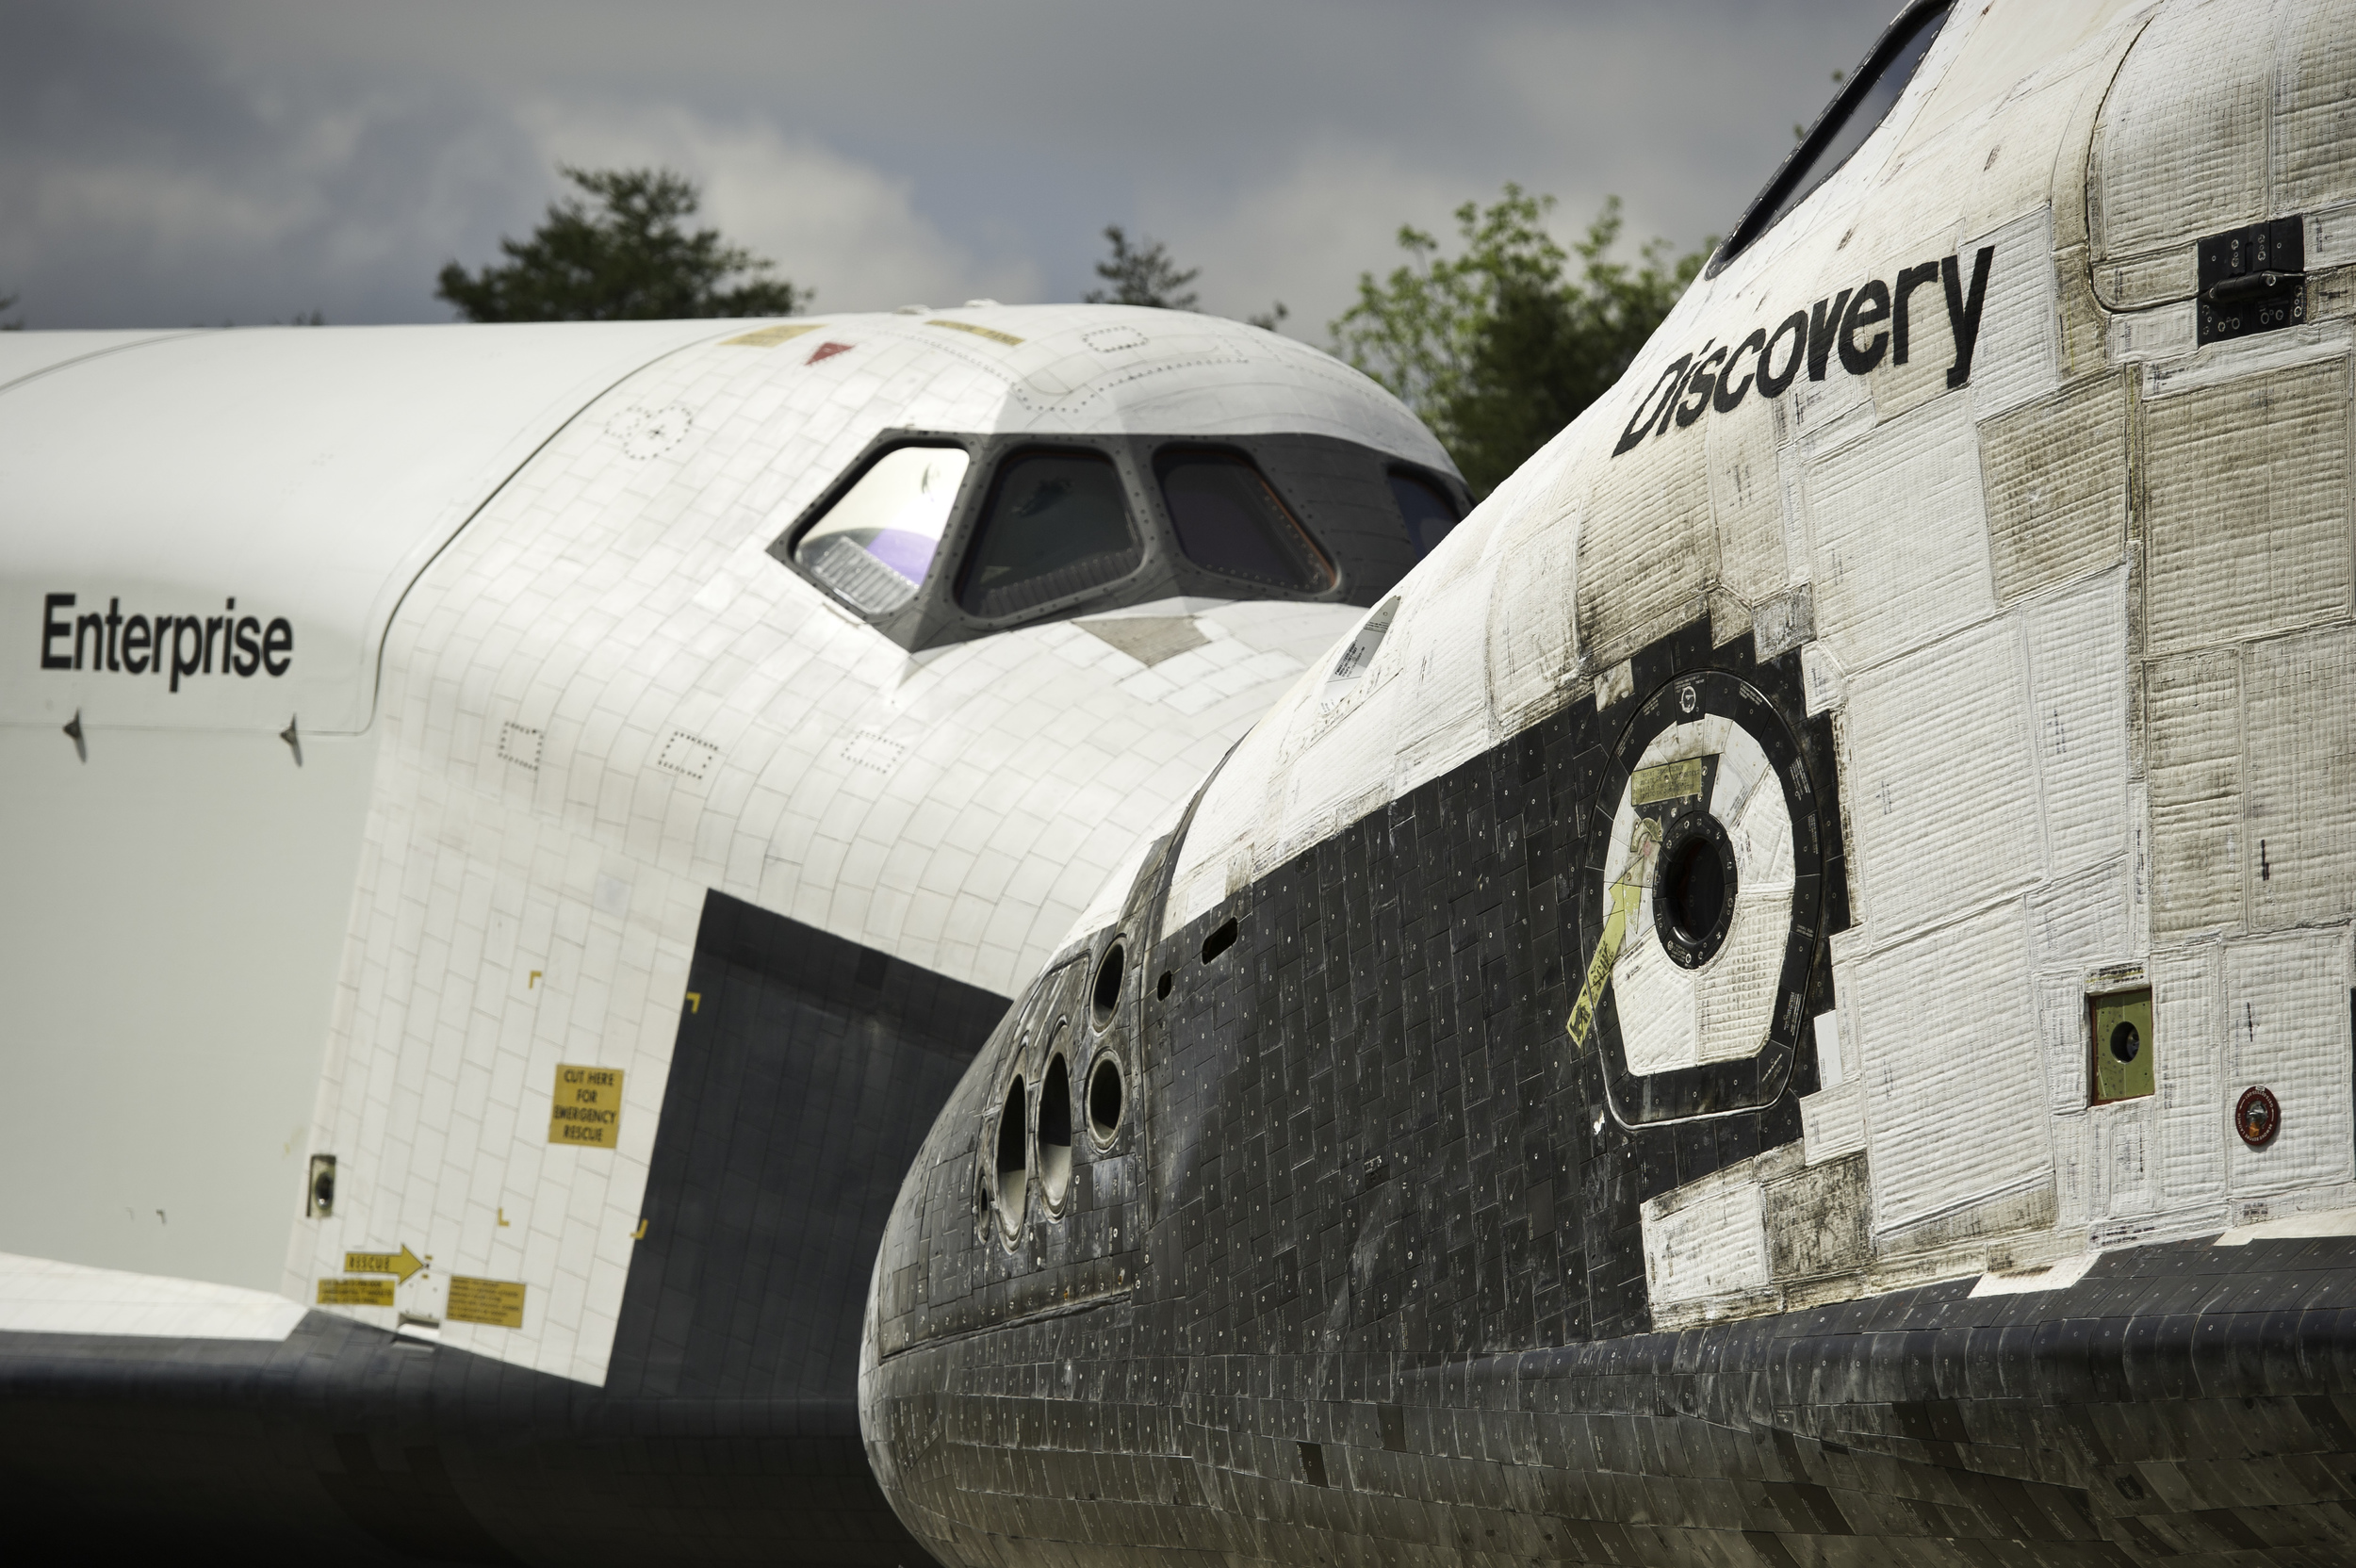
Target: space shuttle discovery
[
  {"x": 511, "y": 833},
  {"x": 1785, "y": 997}
]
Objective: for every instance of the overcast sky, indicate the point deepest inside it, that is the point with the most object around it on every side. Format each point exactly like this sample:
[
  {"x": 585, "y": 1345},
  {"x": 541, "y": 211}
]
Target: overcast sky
[{"x": 175, "y": 164}]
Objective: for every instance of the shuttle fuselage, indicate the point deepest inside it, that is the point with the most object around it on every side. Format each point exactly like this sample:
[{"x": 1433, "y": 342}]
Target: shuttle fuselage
[{"x": 1787, "y": 997}]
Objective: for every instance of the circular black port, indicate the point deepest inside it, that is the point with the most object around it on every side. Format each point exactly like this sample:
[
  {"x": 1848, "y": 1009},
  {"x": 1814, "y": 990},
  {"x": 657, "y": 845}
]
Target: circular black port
[
  {"x": 323, "y": 1190},
  {"x": 1692, "y": 889},
  {"x": 1054, "y": 1132},
  {"x": 2126, "y": 1041},
  {"x": 1161, "y": 986},
  {"x": 1104, "y": 1096},
  {"x": 1108, "y": 977},
  {"x": 1013, "y": 1173}
]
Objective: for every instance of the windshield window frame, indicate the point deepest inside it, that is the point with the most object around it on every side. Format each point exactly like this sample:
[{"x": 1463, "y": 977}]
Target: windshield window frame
[
  {"x": 838, "y": 493},
  {"x": 1336, "y": 490},
  {"x": 1000, "y": 464},
  {"x": 1755, "y": 220},
  {"x": 1173, "y": 454}
]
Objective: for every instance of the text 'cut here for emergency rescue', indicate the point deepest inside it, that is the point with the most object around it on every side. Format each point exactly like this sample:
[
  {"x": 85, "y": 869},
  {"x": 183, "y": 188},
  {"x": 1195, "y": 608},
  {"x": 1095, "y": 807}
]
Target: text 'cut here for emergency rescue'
[{"x": 586, "y": 1110}]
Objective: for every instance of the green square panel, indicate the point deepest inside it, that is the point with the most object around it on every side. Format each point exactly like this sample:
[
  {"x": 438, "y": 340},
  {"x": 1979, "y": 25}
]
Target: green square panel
[{"x": 2122, "y": 1044}]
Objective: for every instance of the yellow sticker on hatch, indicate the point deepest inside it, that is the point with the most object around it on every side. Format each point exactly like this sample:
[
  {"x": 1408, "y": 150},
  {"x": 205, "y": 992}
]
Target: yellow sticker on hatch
[
  {"x": 769, "y": 338},
  {"x": 586, "y": 1111},
  {"x": 497, "y": 1302},
  {"x": 1669, "y": 782}
]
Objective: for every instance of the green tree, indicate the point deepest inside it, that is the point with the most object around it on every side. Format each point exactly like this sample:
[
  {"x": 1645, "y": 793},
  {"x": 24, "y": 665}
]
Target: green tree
[
  {"x": 627, "y": 259},
  {"x": 1501, "y": 346},
  {"x": 1141, "y": 274}
]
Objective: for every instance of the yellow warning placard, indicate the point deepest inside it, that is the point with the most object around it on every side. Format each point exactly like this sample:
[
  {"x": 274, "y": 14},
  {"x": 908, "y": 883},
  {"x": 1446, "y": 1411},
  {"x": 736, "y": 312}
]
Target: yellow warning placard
[
  {"x": 403, "y": 1263},
  {"x": 355, "y": 1293},
  {"x": 497, "y": 1302},
  {"x": 587, "y": 1109},
  {"x": 1668, "y": 781},
  {"x": 769, "y": 338},
  {"x": 992, "y": 333}
]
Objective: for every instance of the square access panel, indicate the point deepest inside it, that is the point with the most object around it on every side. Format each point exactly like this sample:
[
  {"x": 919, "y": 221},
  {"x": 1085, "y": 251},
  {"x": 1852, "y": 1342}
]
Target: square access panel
[{"x": 2120, "y": 1032}]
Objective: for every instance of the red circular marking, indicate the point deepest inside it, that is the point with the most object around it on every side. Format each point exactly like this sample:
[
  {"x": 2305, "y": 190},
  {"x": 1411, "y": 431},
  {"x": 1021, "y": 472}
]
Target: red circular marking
[{"x": 2258, "y": 1117}]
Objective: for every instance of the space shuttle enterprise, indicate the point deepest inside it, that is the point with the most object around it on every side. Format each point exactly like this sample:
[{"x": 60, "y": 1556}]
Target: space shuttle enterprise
[
  {"x": 1785, "y": 997},
  {"x": 511, "y": 834}
]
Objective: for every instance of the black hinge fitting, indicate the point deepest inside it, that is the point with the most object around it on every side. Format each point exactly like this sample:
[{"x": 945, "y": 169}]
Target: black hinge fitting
[{"x": 2253, "y": 280}]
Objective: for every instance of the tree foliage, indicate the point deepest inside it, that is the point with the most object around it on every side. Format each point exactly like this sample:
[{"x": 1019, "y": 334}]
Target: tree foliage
[
  {"x": 628, "y": 258},
  {"x": 1501, "y": 346},
  {"x": 1141, "y": 274}
]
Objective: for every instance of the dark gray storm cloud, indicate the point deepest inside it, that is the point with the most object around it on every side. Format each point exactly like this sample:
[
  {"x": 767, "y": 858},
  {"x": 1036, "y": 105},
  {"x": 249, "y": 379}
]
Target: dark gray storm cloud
[{"x": 178, "y": 164}]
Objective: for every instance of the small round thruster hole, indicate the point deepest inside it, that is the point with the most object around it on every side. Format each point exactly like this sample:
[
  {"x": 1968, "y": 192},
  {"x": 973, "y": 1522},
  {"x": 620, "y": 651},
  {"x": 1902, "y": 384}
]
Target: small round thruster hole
[
  {"x": 2126, "y": 1042},
  {"x": 1109, "y": 973},
  {"x": 1011, "y": 1175},
  {"x": 1104, "y": 1102},
  {"x": 2258, "y": 1117}
]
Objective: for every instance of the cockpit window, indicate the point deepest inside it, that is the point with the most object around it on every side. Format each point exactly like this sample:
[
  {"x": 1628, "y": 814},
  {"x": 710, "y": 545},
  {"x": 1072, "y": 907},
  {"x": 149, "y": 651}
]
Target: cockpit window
[
  {"x": 1862, "y": 104},
  {"x": 1230, "y": 521},
  {"x": 876, "y": 542},
  {"x": 1057, "y": 524},
  {"x": 1424, "y": 508}
]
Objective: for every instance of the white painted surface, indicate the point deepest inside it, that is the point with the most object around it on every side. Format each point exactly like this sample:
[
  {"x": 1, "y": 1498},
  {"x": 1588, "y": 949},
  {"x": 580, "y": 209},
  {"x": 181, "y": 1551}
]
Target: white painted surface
[
  {"x": 174, "y": 915},
  {"x": 307, "y": 473},
  {"x": 40, "y": 1295}
]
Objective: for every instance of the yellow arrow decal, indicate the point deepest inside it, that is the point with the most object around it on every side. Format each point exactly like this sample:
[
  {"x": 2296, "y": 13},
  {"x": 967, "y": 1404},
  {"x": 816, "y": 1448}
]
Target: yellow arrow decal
[
  {"x": 403, "y": 1263},
  {"x": 1644, "y": 842}
]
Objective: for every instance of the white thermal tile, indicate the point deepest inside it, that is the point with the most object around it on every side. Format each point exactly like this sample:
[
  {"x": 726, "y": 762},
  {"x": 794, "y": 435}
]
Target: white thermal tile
[
  {"x": 2192, "y": 706},
  {"x": 1900, "y": 536},
  {"x": 1709, "y": 1240},
  {"x": 2127, "y": 1149},
  {"x": 1954, "y": 1075},
  {"x": 1646, "y": 546},
  {"x": 2078, "y": 676},
  {"x": 2057, "y": 486},
  {"x": 2247, "y": 486},
  {"x": 2061, "y": 1023},
  {"x": 2081, "y": 922},
  {"x": 1444, "y": 717},
  {"x": 2182, "y": 132},
  {"x": 1746, "y": 500},
  {"x": 1832, "y": 1123},
  {"x": 2188, "y": 1059},
  {"x": 2300, "y": 794},
  {"x": 2314, "y": 111},
  {"x": 1941, "y": 794},
  {"x": 2016, "y": 356},
  {"x": 2286, "y": 1028}
]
